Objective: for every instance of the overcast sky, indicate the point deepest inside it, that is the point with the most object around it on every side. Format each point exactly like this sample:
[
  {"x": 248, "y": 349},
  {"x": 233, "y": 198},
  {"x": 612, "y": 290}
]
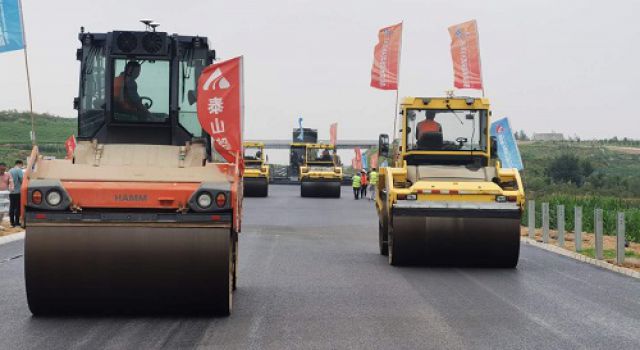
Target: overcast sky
[{"x": 568, "y": 66}]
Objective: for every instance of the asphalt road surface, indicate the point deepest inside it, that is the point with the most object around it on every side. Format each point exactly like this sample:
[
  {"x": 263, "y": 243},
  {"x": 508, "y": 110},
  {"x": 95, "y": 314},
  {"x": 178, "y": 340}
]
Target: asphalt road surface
[{"x": 311, "y": 277}]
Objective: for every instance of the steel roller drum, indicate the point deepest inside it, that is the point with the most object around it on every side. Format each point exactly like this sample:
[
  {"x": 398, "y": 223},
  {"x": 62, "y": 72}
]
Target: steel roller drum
[
  {"x": 70, "y": 269},
  {"x": 320, "y": 189},
  {"x": 456, "y": 238},
  {"x": 255, "y": 187}
]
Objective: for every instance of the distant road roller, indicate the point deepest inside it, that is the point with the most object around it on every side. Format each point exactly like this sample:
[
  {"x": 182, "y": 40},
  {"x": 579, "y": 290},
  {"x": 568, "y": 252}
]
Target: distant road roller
[
  {"x": 144, "y": 217},
  {"x": 445, "y": 199},
  {"x": 256, "y": 170},
  {"x": 320, "y": 173}
]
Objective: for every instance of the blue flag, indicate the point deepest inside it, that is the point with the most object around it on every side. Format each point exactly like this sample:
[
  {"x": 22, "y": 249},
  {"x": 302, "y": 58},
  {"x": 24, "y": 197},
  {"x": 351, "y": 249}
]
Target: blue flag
[
  {"x": 507, "y": 148},
  {"x": 301, "y": 134},
  {"x": 11, "y": 37},
  {"x": 364, "y": 162}
]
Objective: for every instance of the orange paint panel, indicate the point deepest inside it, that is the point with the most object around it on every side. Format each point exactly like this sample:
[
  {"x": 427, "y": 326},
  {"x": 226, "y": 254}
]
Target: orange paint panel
[{"x": 89, "y": 194}]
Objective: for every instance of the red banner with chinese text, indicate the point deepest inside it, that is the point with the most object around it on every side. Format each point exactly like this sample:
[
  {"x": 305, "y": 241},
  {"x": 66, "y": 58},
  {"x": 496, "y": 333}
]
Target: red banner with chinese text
[
  {"x": 465, "y": 53},
  {"x": 374, "y": 161},
  {"x": 221, "y": 106},
  {"x": 386, "y": 58},
  {"x": 358, "y": 158},
  {"x": 333, "y": 134},
  {"x": 70, "y": 146}
]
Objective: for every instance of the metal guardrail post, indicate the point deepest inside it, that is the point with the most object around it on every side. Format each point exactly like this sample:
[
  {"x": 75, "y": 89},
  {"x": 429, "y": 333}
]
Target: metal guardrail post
[
  {"x": 4, "y": 204},
  {"x": 545, "y": 222},
  {"x": 560, "y": 226},
  {"x": 532, "y": 219},
  {"x": 577, "y": 228},
  {"x": 598, "y": 228},
  {"x": 620, "y": 239}
]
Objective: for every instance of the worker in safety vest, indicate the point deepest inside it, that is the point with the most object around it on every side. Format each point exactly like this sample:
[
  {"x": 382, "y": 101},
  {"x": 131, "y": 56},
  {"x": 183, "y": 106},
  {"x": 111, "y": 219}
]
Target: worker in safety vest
[
  {"x": 428, "y": 125},
  {"x": 373, "y": 182},
  {"x": 363, "y": 184},
  {"x": 125, "y": 91},
  {"x": 355, "y": 183}
]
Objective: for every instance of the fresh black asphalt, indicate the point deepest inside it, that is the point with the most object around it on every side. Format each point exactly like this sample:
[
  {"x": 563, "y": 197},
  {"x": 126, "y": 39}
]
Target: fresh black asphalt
[{"x": 311, "y": 277}]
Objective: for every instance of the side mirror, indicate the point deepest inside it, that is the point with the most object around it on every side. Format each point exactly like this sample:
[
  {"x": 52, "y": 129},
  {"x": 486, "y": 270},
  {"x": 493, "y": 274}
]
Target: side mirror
[
  {"x": 383, "y": 145},
  {"x": 191, "y": 97},
  {"x": 494, "y": 147}
]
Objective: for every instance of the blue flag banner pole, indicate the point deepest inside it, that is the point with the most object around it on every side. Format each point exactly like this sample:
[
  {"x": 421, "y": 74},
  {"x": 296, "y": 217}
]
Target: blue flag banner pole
[
  {"x": 507, "y": 147},
  {"x": 13, "y": 37}
]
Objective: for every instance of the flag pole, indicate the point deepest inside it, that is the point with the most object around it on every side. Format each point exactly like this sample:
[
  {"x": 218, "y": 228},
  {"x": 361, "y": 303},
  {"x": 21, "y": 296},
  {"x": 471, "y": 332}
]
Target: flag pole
[
  {"x": 479, "y": 57},
  {"x": 26, "y": 66},
  {"x": 395, "y": 107}
]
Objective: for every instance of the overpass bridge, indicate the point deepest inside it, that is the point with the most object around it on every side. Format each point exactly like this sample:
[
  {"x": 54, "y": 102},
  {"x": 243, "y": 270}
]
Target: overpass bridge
[{"x": 286, "y": 144}]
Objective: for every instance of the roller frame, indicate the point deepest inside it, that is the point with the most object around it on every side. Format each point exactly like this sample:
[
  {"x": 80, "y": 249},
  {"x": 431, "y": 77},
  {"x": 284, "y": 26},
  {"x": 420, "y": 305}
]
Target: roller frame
[{"x": 122, "y": 268}]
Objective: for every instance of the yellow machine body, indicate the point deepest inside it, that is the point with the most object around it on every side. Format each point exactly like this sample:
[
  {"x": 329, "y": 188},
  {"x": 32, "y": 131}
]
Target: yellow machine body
[{"x": 444, "y": 202}]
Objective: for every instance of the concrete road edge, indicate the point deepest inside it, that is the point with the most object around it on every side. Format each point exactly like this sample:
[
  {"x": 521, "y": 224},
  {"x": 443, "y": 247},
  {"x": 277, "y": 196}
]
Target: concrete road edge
[
  {"x": 577, "y": 256},
  {"x": 12, "y": 237}
]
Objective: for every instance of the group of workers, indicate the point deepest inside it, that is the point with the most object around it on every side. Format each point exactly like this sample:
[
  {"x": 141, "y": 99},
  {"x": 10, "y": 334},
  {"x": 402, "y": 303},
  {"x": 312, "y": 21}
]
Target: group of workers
[{"x": 361, "y": 181}]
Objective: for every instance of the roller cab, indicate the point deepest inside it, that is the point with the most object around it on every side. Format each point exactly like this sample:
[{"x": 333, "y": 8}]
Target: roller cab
[
  {"x": 446, "y": 200},
  {"x": 320, "y": 175},
  {"x": 256, "y": 170},
  {"x": 145, "y": 216}
]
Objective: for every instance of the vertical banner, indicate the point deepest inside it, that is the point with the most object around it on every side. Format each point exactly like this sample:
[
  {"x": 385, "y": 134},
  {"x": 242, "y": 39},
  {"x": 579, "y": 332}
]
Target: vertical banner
[
  {"x": 507, "y": 147},
  {"x": 365, "y": 162},
  {"x": 465, "y": 53},
  {"x": 11, "y": 36},
  {"x": 69, "y": 145},
  {"x": 333, "y": 134},
  {"x": 221, "y": 106},
  {"x": 386, "y": 58},
  {"x": 374, "y": 160},
  {"x": 358, "y": 158}
]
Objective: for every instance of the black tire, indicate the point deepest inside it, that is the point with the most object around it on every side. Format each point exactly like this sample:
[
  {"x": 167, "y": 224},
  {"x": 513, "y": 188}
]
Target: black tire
[
  {"x": 383, "y": 237},
  {"x": 235, "y": 262},
  {"x": 392, "y": 250}
]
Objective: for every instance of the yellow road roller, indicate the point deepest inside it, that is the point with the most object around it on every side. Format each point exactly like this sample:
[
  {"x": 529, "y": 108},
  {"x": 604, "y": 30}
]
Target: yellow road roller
[
  {"x": 320, "y": 175},
  {"x": 256, "y": 170},
  {"x": 445, "y": 200}
]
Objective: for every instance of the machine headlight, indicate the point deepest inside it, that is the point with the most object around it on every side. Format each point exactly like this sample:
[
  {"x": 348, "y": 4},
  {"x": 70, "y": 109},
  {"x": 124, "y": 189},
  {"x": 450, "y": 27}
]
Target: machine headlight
[
  {"x": 501, "y": 199},
  {"x": 412, "y": 197},
  {"x": 204, "y": 200},
  {"x": 54, "y": 198}
]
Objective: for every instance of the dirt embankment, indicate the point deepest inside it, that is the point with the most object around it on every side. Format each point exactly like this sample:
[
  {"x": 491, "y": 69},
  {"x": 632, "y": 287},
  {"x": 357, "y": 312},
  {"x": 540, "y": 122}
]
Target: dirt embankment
[{"x": 632, "y": 252}]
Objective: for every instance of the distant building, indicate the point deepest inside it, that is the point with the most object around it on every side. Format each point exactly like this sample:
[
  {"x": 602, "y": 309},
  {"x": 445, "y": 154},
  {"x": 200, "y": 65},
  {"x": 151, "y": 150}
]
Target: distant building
[{"x": 548, "y": 136}]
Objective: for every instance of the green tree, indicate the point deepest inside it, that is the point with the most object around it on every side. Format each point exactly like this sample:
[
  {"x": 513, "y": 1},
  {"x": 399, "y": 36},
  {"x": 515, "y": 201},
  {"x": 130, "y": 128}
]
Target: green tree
[{"x": 566, "y": 169}]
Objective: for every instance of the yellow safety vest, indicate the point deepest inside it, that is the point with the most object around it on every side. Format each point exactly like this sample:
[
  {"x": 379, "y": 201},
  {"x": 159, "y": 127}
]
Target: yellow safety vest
[
  {"x": 373, "y": 178},
  {"x": 356, "y": 181}
]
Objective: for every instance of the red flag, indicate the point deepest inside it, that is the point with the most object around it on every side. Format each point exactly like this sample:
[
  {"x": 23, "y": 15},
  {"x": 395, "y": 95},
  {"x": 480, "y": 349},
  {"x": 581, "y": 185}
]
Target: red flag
[
  {"x": 221, "y": 106},
  {"x": 358, "y": 159},
  {"x": 333, "y": 134},
  {"x": 374, "y": 161},
  {"x": 386, "y": 58},
  {"x": 465, "y": 52},
  {"x": 70, "y": 146}
]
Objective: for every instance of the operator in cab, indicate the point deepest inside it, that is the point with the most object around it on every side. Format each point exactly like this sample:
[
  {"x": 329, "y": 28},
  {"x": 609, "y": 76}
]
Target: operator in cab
[
  {"x": 125, "y": 92},
  {"x": 326, "y": 157},
  {"x": 429, "y": 132}
]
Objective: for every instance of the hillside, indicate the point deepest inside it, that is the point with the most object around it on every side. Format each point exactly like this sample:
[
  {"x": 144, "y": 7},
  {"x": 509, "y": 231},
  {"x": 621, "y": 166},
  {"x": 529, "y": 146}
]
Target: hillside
[{"x": 15, "y": 127}]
